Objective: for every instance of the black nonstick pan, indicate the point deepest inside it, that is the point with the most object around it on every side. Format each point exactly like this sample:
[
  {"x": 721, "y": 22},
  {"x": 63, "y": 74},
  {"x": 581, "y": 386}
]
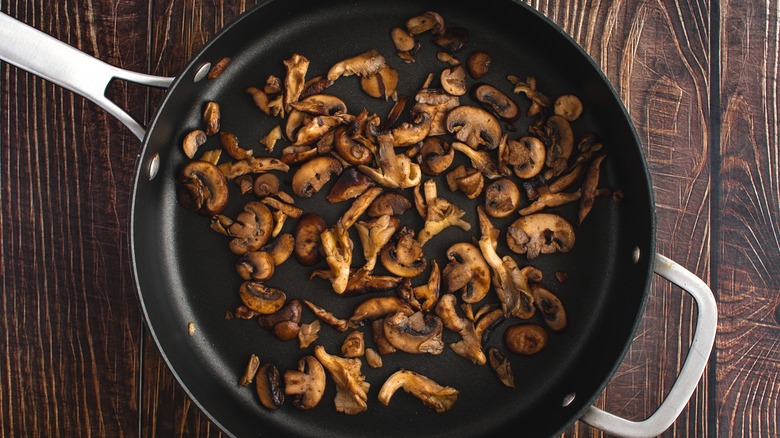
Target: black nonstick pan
[{"x": 185, "y": 274}]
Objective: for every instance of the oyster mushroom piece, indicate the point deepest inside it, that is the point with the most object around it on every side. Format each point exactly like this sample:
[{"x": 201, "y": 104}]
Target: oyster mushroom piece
[
  {"x": 433, "y": 395},
  {"x": 481, "y": 160},
  {"x": 405, "y": 257},
  {"x": 204, "y": 188},
  {"x": 307, "y": 383},
  {"x": 395, "y": 171},
  {"x": 478, "y": 64},
  {"x": 538, "y": 100},
  {"x": 251, "y": 165},
  {"x": 252, "y": 228},
  {"x": 337, "y": 247},
  {"x": 229, "y": 143},
  {"x": 379, "y": 307},
  {"x": 351, "y": 385},
  {"x": 260, "y": 298},
  {"x": 439, "y": 214},
  {"x": 354, "y": 345},
  {"x": 470, "y": 345},
  {"x": 502, "y": 367},
  {"x": 319, "y": 128},
  {"x": 589, "y": 187},
  {"x": 540, "y": 233},
  {"x": 367, "y": 63},
  {"x": 211, "y": 116},
  {"x": 361, "y": 281},
  {"x": 502, "y": 197},
  {"x": 428, "y": 293},
  {"x": 314, "y": 174},
  {"x": 339, "y": 324},
  {"x": 284, "y": 323},
  {"x": 437, "y": 156},
  {"x": 474, "y": 126},
  {"x": 467, "y": 271},
  {"x": 192, "y": 142},
  {"x": 496, "y": 101},
  {"x": 374, "y": 235},
  {"x": 358, "y": 207},
  {"x": 453, "y": 80},
  {"x": 416, "y": 333},
  {"x": 296, "y": 66},
  {"x": 391, "y": 203}
]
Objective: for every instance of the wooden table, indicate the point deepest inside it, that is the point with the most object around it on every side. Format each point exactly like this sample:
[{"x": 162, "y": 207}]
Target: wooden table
[{"x": 698, "y": 78}]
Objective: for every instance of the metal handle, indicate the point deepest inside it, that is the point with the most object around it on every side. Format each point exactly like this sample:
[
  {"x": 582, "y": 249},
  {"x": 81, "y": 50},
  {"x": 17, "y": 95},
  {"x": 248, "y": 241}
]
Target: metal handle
[
  {"x": 692, "y": 369},
  {"x": 55, "y": 61}
]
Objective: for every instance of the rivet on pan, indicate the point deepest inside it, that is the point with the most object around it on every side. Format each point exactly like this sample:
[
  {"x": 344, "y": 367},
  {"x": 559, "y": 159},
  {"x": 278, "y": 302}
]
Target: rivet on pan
[
  {"x": 154, "y": 166},
  {"x": 636, "y": 254},
  {"x": 568, "y": 399},
  {"x": 202, "y": 72}
]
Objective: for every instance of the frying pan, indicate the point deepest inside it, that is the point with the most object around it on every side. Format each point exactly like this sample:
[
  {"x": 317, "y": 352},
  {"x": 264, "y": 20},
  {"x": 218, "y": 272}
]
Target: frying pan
[{"x": 184, "y": 273}]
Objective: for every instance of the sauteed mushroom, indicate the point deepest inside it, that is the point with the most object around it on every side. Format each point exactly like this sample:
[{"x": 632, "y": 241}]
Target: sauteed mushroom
[
  {"x": 350, "y": 184},
  {"x": 269, "y": 384},
  {"x": 261, "y": 299},
  {"x": 405, "y": 257},
  {"x": 568, "y": 106},
  {"x": 425, "y": 22},
  {"x": 433, "y": 395},
  {"x": 437, "y": 156},
  {"x": 474, "y": 126},
  {"x": 251, "y": 229},
  {"x": 307, "y": 384},
  {"x": 296, "y": 66},
  {"x": 550, "y": 307},
  {"x": 367, "y": 63},
  {"x": 396, "y": 171},
  {"x": 314, "y": 174},
  {"x": 525, "y": 339},
  {"x": 478, "y": 64},
  {"x": 540, "y": 233},
  {"x": 502, "y": 197},
  {"x": 353, "y": 345},
  {"x": 453, "y": 80},
  {"x": 351, "y": 385},
  {"x": 266, "y": 184},
  {"x": 307, "y": 239},
  {"x": 439, "y": 214},
  {"x": 229, "y": 143},
  {"x": 466, "y": 179},
  {"x": 374, "y": 235},
  {"x": 526, "y": 156},
  {"x": 452, "y": 39},
  {"x": 284, "y": 322},
  {"x": 411, "y": 133},
  {"x": 379, "y": 307},
  {"x": 467, "y": 271},
  {"x": 211, "y": 117},
  {"x": 192, "y": 142},
  {"x": 203, "y": 188},
  {"x": 381, "y": 84},
  {"x": 416, "y": 333},
  {"x": 496, "y": 101},
  {"x": 389, "y": 202}
]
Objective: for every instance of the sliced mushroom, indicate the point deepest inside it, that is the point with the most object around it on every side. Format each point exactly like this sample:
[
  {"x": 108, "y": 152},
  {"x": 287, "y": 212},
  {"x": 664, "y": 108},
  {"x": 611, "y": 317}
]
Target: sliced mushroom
[
  {"x": 452, "y": 39},
  {"x": 381, "y": 84},
  {"x": 416, "y": 333},
  {"x": 269, "y": 386},
  {"x": 478, "y": 64},
  {"x": 438, "y": 104},
  {"x": 362, "y": 282},
  {"x": 260, "y": 298},
  {"x": 378, "y": 333},
  {"x": 256, "y": 265},
  {"x": 261, "y": 99},
  {"x": 547, "y": 199},
  {"x": 453, "y": 80},
  {"x": 437, "y": 156},
  {"x": 466, "y": 179},
  {"x": 211, "y": 115},
  {"x": 203, "y": 188},
  {"x": 319, "y": 128},
  {"x": 474, "y": 126},
  {"x": 502, "y": 198},
  {"x": 337, "y": 247},
  {"x": 470, "y": 345},
  {"x": 402, "y": 40},
  {"x": 550, "y": 307},
  {"x": 251, "y": 229},
  {"x": 561, "y": 143},
  {"x": 211, "y": 156},
  {"x": 251, "y": 165},
  {"x": 358, "y": 207},
  {"x": 389, "y": 202},
  {"x": 354, "y": 345},
  {"x": 502, "y": 367},
  {"x": 266, "y": 184},
  {"x": 309, "y": 333},
  {"x": 497, "y": 102},
  {"x": 350, "y": 184},
  {"x": 307, "y": 239},
  {"x": 395, "y": 171},
  {"x": 538, "y": 100},
  {"x": 404, "y": 257},
  {"x": 589, "y": 187},
  {"x": 481, "y": 160},
  {"x": 284, "y": 323},
  {"x": 373, "y": 359},
  {"x": 273, "y": 85},
  {"x": 315, "y": 85},
  {"x": 307, "y": 384},
  {"x": 427, "y": 295},
  {"x": 251, "y": 371},
  {"x": 314, "y": 174},
  {"x": 229, "y": 143},
  {"x": 350, "y": 143},
  {"x": 281, "y": 248},
  {"x": 274, "y": 135},
  {"x": 411, "y": 133},
  {"x": 439, "y": 214},
  {"x": 351, "y": 387},
  {"x": 526, "y": 156},
  {"x": 192, "y": 142},
  {"x": 296, "y": 66},
  {"x": 367, "y": 63},
  {"x": 540, "y": 233},
  {"x": 425, "y": 22},
  {"x": 467, "y": 271},
  {"x": 568, "y": 106},
  {"x": 379, "y": 307},
  {"x": 374, "y": 235},
  {"x": 433, "y": 395},
  {"x": 525, "y": 339}
]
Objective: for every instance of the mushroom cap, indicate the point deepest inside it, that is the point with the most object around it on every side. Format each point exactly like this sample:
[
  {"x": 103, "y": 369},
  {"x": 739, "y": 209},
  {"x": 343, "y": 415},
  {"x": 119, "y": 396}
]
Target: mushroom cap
[
  {"x": 540, "y": 233},
  {"x": 314, "y": 174},
  {"x": 307, "y": 239},
  {"x": 550, "y": 307},
  {"x": 474, "y": 126},
  {"x": 416, "y": 333},
  {"x": 204, "y": 188},
  {"x": 478, "y": 64},
  {"x": 526, "y": 339},
  {"x": 467, "y": 271}
]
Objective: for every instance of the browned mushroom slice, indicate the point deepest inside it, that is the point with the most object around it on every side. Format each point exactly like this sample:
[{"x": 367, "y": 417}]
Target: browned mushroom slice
[
  {"x": 204, "y": 188},
  {"x": 417, "y": 333},
  {"x": 405, "y": 45},
  {"x": 433, "y": 395},
  {"x": 495, "y": 101},
  {"x": 252, "y": 165},
  {"x": 261, "y": 99},
  {"x": 526, "y": 156},
  {"x": 192, "y": 142},
  {"x": 266, "y": 184},
  {"x": 439, "y": 214},
  {"x": 211, "y": 115},
  {"x": 351, "y": 385},
  {"x": 373, "y": 359},
  {"x": 378, "y": 334},
  {"x": 358, "y": 207},
  {"x": 218, "y": 68},
  {"x": 255, "y": 265},
  {"x": 405, "y": 257},
  {"x": 466, "y": 179},
  {"x": 367, "y": 63},
  {"x": 481, "y": 160},
  {"x": 261, "y": 299},
  {"x": 452, "y": 39},
  {"x": 502, "y": 197},
  {"x": 568, "y": 106},
  {"x": 525, "y": 339},
  {"x": 561, "y": 143},
  {"x": 268, "y": 383},
  {"x": 273, "y": 85},
  {"x": 314, "y": 174},
  {"x": 389, "y": 202},
  {"x": 337, "y": 247},
  {"x": 569, "y": 178},
  {"x": 355, "y": 149},
  {"x": 538, "y": 100},
  {"x": 296, "y": 66},
  {"x": 438, "y": 104},
  {"x": 427, "y": 295},
  {"x": 244, "y": 183},
  {"x": 395, "y": 171},
  {"x": 381, "y": 84},
  {"x": 374, "y": 235},
  {"x": 550, "y": 307},
  {"x": 315, "y": 105},
  {"x": 251, "y": 229},
  {"x": 251, "y": 371},
  {"x": 307, "y": 239},
  {"x": 423, "y": 23},
  {"x": 309, "y": 333},
  {"x": 307, "y": 384},
  {"x": 292, "y": 155},
  {"x": 318, "y": 127},
  {"x": 211, "y": 156},
  {"x": 229, "y": 143},
  {"x": 470, "y": 344},
  {"x": 412, "y": 133},
  {"x": 589, "y": 187},
  {"x": 271, "y": 138},
  {"x": 284, "y": 323},
  {"x": 315, "y": 85},
  {"x": 540, "y": 233},
  {"x": 502, "y": 367},
  {"x": 437, "y": 156},
  {"x": 354, "y": 345},
  {"x": 379, "y": 307},
  {"x": 350, "y": 184},
  {"x": 467, "y": 271},
  {"x": 548, "y": 199},
  {"x": 339, "y": 324},
  {"x": 478, "y": 64},
  {"x": 474, "y": 126},
  {"x": 453, "y": 80}
]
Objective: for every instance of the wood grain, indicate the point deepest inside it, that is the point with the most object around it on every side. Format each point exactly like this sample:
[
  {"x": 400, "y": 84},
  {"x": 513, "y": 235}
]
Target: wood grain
[
  {"x": 69, "y": 320},
  {"x": 748, "y": 347}
]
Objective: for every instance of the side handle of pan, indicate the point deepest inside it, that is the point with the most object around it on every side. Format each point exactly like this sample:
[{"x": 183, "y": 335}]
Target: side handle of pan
[
  {"x": 692, "y": 369},
  {"x": 55, "y": 61}
]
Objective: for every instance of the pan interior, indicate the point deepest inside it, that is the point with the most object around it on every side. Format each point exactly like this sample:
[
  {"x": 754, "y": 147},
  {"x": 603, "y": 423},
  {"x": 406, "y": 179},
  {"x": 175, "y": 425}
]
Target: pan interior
[{"x": 185, "y": 272}]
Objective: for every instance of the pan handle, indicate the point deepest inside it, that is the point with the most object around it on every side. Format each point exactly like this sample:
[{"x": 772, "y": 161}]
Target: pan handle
[
  {"x": 692, "y": 369},
  {"x": 57, "y": 62}
]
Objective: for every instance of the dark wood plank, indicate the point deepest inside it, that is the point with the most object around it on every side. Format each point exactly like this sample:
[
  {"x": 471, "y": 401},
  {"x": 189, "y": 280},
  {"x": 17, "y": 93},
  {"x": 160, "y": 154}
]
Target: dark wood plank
[
  {"x": 748, "y": 347},
  {"x": 69, "y": 319},
  {"x": 656, "y": 56}
]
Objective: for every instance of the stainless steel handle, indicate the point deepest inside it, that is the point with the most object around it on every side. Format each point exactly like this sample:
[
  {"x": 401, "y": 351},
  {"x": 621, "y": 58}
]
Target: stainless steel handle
[
  {"x": 55, "y": 61},
  {"x": 692, "y": 369}
]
